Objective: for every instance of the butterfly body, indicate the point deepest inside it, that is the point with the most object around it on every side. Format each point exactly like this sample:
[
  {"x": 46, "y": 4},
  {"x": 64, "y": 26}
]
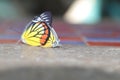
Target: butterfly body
[{"x": 39, "y": 32}]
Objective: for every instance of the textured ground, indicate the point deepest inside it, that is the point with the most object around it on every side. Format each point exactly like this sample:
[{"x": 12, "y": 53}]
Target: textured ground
[
  {"x": 69, "y": 62},
  {"x": 75, "y": 60}
]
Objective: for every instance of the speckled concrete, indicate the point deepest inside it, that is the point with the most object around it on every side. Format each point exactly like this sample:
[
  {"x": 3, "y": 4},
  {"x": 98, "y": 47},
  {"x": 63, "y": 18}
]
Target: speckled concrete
[{"x": 69, "y": 62}]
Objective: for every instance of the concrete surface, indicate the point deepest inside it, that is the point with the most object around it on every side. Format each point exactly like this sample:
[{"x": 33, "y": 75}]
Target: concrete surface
[{"x": 69, "y": 62}]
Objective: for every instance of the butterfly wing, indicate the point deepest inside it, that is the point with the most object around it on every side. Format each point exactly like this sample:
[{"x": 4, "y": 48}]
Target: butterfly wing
[
  {"x": 40, "y": 33},
  {"x": 53, "y": 39},
  {"x": 47, "y": 17},
  {"x": 33, "y": 34}
]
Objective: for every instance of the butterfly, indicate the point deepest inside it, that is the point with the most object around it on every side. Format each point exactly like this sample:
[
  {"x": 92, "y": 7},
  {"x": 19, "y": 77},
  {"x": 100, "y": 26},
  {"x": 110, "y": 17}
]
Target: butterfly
[{"x": 39, "y": 32}]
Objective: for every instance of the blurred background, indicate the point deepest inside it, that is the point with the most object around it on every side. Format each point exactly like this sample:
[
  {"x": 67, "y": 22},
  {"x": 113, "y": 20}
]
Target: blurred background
[
  {"x": 22, "y": 8},
  {"x": 75, "y": 21},
  {"x": 72, "y": 11}
]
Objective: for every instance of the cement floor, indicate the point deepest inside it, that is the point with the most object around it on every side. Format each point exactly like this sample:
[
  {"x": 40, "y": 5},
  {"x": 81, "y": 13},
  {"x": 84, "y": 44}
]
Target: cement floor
[{"x": 69, "y": 62}]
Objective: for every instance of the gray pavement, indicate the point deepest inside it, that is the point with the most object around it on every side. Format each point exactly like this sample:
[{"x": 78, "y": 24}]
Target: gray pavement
[{"x": 69, "y": 62}]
